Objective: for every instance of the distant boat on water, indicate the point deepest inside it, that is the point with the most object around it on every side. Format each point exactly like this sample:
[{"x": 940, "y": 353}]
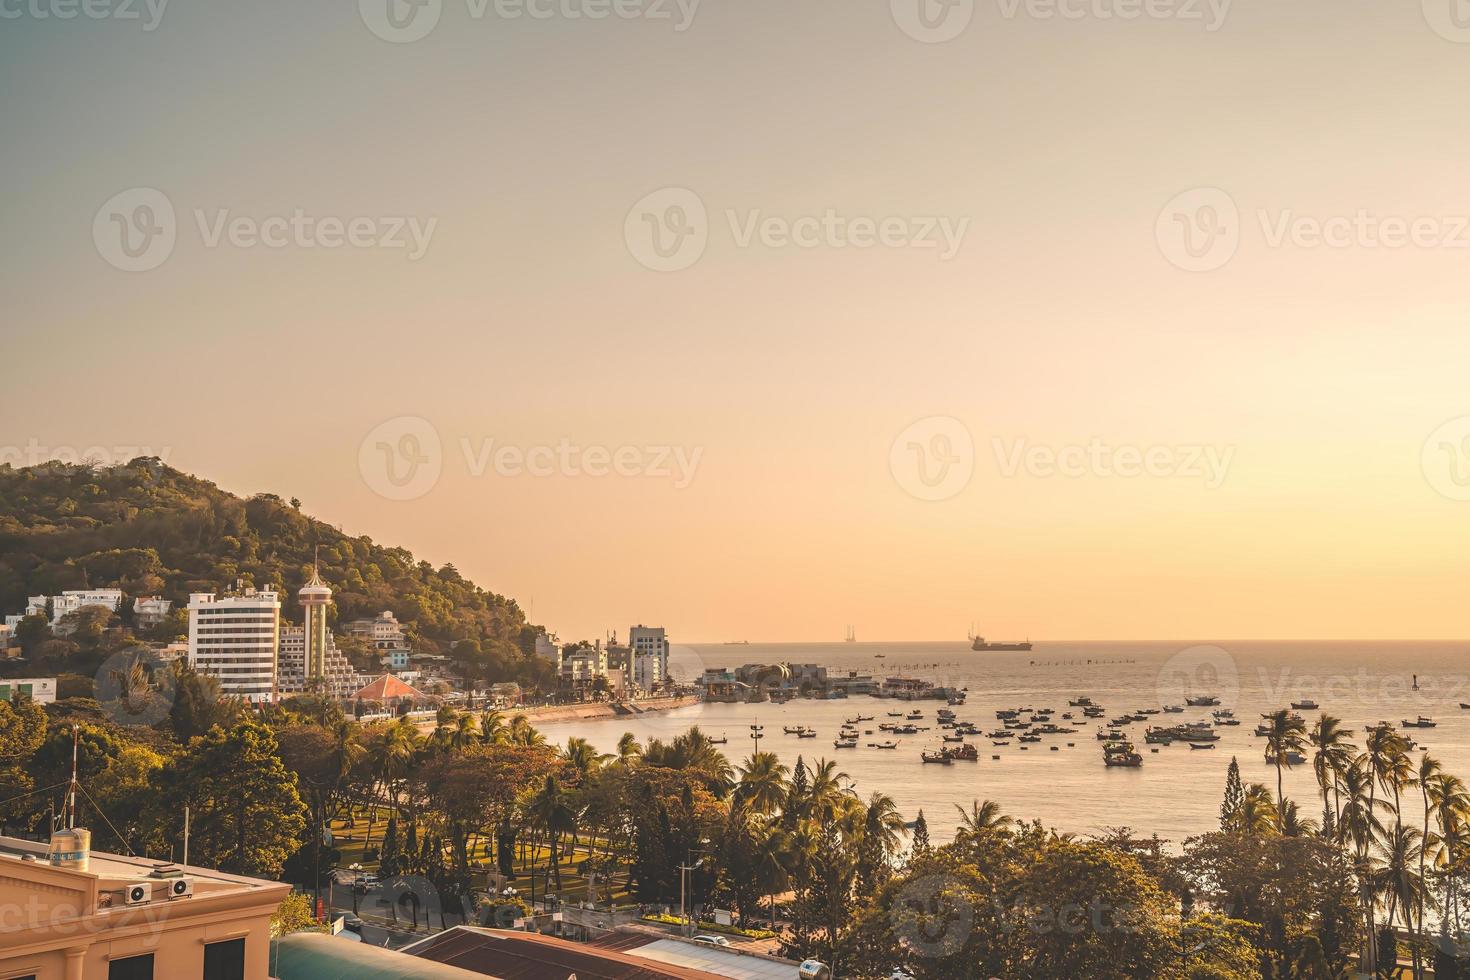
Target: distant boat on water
[{"x": 978, "y": 643}]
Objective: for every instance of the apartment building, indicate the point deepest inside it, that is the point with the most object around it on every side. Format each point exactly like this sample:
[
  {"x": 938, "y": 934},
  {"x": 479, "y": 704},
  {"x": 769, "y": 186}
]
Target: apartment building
[{"x": 236, "y": 638}]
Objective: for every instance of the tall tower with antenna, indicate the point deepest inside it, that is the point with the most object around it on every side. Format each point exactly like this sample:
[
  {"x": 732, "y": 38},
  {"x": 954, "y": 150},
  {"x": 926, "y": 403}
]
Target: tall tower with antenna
[{"x": 315, "y": 597}]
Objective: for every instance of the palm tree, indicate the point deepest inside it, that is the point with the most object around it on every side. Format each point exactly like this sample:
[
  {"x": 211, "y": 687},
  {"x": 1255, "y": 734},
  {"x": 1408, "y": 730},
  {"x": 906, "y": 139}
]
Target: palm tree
[
  {"x": 629, "y": 751},
  {"x": 466, "y": 732},
  {"x": 982, "y": 818},
  {"x": 826, "y": 794},
  {"x": 552, "y": 812},
  {"x": 584, "y": 758},
  {"x": 1451, "y": 803},
  {"x": 1286, "y": 733},
  {"x": 883, "y": 824},
  {"x": 1398, "y": 878},
  {"x": 520, "y": 732},
  {"x": 1295, "y": 825},
  {"x": 770, "y": 848},
  {"x": 1332, "y": 751},
  {"x": 492, "y": 727},
  {"x": 391, "y": 752},
  {"x": 762, "y": 784},
  {"x": 1361, "y": 827},
  {"x": 1259, "y": 816}
]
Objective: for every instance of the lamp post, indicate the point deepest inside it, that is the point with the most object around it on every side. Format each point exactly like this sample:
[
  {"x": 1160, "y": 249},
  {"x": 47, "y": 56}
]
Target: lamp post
[{"x": 684, "y": 870}]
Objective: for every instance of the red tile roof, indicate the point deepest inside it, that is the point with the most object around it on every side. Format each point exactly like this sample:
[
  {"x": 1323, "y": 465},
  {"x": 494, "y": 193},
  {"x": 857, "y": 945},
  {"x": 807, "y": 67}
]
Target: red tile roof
[
  {"x": 529, "y": 956},
  {"x": 387, "y": 688}
]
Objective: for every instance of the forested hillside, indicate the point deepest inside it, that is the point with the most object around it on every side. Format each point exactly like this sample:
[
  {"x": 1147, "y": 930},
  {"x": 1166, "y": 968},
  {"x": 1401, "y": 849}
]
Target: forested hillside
[{"x": 151, "y": 530}]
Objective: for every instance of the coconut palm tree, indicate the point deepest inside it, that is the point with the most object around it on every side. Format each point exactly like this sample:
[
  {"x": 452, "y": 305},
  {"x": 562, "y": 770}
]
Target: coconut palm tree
[
  {"x": 1360, "y": 826},
  {"x": 1332, "y": 749},
  {"x": 629, "y": 751},
  {"x": 982, "y": 818},
  {"x": 551, "y": 811},
  {"x": 1259, "y": 816},
  {"x": 520, "y": 732},
  {"x": 492, "y": 727},
  {"x": 883, "y": 824},
  {"x": 1294, "y": 824},
  {"x": 466, "y": 732},
  {"x": 762, "y": 785},
  {"x": 827, "y": 797},
  {"x": 391, "y": 753},
  {"x": 1451, "y": 805},
  {"x": 583, "y": 757},
  {"x": 1398, "y": 877},
  {"x": 1286, "y": 733}
]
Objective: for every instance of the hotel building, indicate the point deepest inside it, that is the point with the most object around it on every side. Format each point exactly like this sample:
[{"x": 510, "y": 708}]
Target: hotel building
[{"x": 235, "y": 638}]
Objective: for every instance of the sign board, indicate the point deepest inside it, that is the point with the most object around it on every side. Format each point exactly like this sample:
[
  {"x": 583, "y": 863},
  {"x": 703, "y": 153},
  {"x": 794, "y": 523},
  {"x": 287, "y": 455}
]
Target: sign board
[
  {"x": 723, "y": 917},
  {"x": 338, "y": 924}
]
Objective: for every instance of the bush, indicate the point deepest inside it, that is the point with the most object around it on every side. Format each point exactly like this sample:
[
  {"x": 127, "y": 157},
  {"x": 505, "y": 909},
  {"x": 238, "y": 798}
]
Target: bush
[
  {"x": 499, "y": 912},
  {"x": 674, "y": 920}
]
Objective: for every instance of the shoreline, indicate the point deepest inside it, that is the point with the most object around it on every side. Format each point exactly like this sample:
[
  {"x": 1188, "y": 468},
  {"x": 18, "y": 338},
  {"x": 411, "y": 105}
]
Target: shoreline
[{"x": 593, "y": 712}]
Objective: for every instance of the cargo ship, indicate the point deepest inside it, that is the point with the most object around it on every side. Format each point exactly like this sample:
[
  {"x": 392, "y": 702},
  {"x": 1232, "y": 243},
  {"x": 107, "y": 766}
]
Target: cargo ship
[{"x": 979, "y": 643}]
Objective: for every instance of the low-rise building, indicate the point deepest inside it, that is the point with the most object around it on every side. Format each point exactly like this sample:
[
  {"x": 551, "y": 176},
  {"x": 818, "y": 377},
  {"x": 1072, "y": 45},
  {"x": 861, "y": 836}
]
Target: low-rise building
[
  {"x": 76, "y": 914},
  {"x": 151, "y": 610},
  {"x": 41, "y": 690}
]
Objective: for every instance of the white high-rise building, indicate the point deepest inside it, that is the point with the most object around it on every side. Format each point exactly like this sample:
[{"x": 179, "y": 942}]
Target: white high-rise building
[
  {"x": 650, "y": 655},
  {"x": 235, "y": 639}
]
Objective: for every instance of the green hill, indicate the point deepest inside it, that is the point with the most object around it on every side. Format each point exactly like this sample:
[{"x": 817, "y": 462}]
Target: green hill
[{"x": 151, "y": 530}]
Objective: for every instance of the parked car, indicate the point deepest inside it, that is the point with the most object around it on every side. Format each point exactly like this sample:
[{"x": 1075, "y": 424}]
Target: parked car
[
  {"x": 711, "y": 940},
  {"x": 363, "y": 884}
]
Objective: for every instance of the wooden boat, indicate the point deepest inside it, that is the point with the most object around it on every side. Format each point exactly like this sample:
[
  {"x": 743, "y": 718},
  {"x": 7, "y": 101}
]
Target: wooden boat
[
  {"x": 1420, "y": 722},
  {"x": 941, "y": 758},
  {"x": 954, "y": 738},
  {"x": 882, "y": 745},
  {"x": 1202, "y": 745},
  {"x": 845, "y": 743}
]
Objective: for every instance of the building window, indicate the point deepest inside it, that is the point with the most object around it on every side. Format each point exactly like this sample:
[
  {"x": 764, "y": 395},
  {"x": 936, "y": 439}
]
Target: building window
[
  {"x": 132, "y": 968},
  {"x": 225, "y": 961}
]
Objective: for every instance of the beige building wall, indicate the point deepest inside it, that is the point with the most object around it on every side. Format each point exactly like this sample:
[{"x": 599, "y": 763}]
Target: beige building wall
[{"x": 63, "y": 923}]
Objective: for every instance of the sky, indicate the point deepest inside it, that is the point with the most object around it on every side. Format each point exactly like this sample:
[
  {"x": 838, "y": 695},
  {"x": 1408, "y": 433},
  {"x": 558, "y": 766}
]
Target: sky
[{"x": 1085, "y": 319}]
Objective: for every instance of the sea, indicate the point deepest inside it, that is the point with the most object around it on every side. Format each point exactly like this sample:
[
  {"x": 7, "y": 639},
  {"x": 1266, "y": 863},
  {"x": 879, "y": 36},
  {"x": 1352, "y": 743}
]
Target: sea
[{"x": 1177, "y": 791}]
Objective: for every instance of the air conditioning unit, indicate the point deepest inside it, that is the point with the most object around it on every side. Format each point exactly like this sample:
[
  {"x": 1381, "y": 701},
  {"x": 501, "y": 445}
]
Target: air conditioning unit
[
  {"x": 180, "y": 888},
  {"x": 138, "y": 893}
]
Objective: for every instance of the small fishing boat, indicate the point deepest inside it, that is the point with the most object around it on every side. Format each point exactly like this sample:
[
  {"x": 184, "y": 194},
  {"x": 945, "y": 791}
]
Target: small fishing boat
[
  {"x": 1202, "y": 745},
  {"x": 1420, "y": 722},
  {"x": 1080, "y": 702},
  {"x": 954, "y": 738},
  {"x": 806, "y": 733},
  {"x": 1173, "y": 709},
  {"x": 1306, "y": 704},
  {"x": 845, "y": 743},
  {"x": 722, "y": 740},
  {"x": 937, "y": 757},
  {"x": 1203, "y": 701},
  {"x": 965, "y": 753},
  {"x": 882, "y": 745},
  {"x": 793, "y": 729}
]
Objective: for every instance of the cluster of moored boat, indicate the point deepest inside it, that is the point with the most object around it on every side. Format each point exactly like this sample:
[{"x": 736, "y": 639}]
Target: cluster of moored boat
[{"x": 1029, "y": 726}]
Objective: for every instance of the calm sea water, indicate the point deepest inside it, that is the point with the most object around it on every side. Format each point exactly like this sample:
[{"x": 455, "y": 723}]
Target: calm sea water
[{"x": 1177, "y": 791}]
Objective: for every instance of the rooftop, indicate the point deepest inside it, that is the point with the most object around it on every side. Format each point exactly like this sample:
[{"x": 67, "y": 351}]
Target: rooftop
[{"x": 530, "y": 956}]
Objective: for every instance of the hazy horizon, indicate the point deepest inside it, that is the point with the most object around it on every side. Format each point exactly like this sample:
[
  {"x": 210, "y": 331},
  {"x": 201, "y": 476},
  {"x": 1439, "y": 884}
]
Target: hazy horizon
[{"x": 761, "y": 320}]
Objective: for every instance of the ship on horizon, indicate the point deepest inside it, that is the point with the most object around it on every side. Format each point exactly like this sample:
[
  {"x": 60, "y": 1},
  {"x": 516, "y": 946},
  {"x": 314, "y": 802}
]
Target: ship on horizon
[{"x": 978, "y": 643}]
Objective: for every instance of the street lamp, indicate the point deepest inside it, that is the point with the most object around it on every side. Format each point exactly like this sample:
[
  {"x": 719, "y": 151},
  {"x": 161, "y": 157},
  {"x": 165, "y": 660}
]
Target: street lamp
[{"x": 684, "y": 869}]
